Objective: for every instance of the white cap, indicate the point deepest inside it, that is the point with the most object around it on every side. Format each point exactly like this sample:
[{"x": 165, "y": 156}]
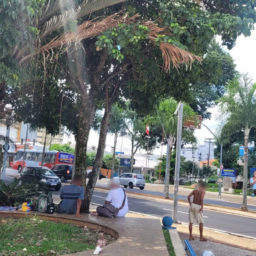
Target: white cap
[{"x": 114, "y": 182}]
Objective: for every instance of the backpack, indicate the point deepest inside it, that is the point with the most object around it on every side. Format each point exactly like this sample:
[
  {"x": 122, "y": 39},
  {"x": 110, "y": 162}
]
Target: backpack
[
  {"x": 108, "y": 210},
  {"x": 45, "y": 203}
]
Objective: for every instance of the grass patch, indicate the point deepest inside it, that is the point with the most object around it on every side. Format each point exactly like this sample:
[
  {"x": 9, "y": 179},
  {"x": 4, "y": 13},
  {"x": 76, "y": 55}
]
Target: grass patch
[
  {"x": 168, "y": 242},
  {"x": 34, "y": 236}
]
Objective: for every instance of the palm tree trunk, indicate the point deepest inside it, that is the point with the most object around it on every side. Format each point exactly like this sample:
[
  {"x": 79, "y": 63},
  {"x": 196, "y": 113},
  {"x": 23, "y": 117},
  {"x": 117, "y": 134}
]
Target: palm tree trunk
[
  {"x": 167, "y": 170},
  {"x": 245, "y": 171},
  {"x": 132, "y": 153},
  {"x": 114, "y": 155}
]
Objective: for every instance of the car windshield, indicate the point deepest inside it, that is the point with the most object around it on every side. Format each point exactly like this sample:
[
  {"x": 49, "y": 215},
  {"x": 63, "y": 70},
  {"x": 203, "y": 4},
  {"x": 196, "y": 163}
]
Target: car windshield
[{"x": 46, "y": 172}]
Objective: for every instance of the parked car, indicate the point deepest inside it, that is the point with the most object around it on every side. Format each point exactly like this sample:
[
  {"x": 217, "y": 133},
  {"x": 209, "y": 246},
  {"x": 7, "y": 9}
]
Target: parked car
[
  {"x": 63, "y": 171},
  {"x": 45, "y": 177},
  {"x": 212, "y": 181},
  {"x": 132, "y": 180}
]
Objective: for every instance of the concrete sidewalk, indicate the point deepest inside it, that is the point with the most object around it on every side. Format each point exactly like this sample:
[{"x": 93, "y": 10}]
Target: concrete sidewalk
[{"x": 138, "y": 235}]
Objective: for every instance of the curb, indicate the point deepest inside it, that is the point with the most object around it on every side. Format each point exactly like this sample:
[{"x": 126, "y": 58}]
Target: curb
[{"x": 177, "y": 243}]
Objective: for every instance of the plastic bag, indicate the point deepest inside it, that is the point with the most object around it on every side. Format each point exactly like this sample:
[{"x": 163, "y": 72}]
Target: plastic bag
[{"x": 208, "y": 253}]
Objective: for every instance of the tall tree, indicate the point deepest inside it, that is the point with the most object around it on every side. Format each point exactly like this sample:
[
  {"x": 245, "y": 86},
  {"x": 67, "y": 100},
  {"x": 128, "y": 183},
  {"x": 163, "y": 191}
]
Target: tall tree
[
  {"x": 166, "y": 119},
  {"x": 116, "y": 127},
  {"x": 239, "y": 103}
]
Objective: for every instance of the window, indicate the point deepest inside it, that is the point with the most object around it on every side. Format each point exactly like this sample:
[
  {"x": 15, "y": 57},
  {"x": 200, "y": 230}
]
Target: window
[{"x": 29, "y": 171}]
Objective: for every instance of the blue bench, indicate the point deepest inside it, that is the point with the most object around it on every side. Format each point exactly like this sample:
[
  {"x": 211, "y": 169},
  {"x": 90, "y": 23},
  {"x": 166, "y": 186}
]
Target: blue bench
[{"x": 189, "y": 248}]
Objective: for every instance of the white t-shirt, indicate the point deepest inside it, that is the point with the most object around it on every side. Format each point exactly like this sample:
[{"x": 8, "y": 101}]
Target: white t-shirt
[{"x": 116, "y": 197}]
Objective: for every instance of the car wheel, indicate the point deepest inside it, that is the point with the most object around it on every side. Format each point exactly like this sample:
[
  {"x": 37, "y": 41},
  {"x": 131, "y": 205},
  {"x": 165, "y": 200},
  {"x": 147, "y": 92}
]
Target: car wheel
[
  {"x": 19, "y": 169},
  {"x": 141, "y": 188},
  {"x": 125, "y": 186},
  {"x": 131, "y": 185},
  {"x": 62, "y": 178}
]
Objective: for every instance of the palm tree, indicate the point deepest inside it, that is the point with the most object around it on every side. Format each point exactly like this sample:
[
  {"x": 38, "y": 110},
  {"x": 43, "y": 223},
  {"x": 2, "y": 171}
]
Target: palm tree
[
  {"x": 239, "y": 103},
  {"x": 168, "y": 122}
]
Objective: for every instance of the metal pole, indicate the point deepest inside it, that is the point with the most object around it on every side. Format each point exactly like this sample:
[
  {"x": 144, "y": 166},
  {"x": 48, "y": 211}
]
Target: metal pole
[
  {"x": 167, "y": 171},
  {"x": 6, "y": 148},
  {"x": 221, "y": 150},
  {"x": 25, "y": 147},
  {"x": 177, "y": 162},
  {"x": 219, "y": 184}
]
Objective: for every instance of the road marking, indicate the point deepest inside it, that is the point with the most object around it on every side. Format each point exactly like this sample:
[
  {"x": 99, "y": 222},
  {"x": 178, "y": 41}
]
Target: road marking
[
  {"x": 98, "y": 196},
  {"x": 182, "y": 212}
]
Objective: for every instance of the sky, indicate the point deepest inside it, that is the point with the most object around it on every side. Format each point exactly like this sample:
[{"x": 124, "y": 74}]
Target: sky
[{"x": 244, "y": 55}]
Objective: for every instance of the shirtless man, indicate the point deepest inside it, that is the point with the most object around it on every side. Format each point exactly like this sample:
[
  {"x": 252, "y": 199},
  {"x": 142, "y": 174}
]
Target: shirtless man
[{"x": 196, "y": 209}]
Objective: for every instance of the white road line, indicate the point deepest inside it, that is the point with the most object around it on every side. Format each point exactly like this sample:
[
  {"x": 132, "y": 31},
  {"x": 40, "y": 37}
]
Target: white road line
[{"x": 98, "y": 196}]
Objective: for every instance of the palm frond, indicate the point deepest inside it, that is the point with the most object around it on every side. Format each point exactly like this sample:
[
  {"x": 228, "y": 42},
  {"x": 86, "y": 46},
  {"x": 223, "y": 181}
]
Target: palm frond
[
  {"x": 59, "y": 21},
  {"x": 91, "y": 29},
  {"x": 51, "y": 20}
]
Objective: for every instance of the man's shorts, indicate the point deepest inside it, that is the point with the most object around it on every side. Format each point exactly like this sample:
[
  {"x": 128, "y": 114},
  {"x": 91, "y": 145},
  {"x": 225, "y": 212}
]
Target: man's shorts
[{"x": 195, "y": 215}]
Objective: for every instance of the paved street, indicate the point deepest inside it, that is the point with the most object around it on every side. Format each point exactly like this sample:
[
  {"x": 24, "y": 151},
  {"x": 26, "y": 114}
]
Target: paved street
[
  {"x": 221, "y": 221},
  {"x": 206, "y": 200}
]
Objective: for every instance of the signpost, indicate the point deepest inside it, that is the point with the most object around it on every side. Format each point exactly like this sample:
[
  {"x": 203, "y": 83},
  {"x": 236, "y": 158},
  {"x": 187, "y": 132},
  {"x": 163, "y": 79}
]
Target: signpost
[{"x": 228, "y": 173}]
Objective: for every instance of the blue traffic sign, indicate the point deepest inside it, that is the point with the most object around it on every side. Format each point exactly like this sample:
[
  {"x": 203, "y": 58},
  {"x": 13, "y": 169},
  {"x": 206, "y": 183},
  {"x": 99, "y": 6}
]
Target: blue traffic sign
[
  {"x": 119, "y": 153},
  {"x": 228, "y": 173}
]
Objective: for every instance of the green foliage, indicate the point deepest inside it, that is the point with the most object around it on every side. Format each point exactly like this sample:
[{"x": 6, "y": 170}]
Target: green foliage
[
  {"x": 62, "y": 148},
  {"x": 18, "y": 28},
  {"x": 168, "y": 241},
  {"x": 164, "y": 123},
  {"x": 15, "y": 193},
  {"x": 240, "y": 103},
  {"x": 117, "y": 120},
  {"x": 90, "y": 157},
  {"x": 107, "y": 161}
]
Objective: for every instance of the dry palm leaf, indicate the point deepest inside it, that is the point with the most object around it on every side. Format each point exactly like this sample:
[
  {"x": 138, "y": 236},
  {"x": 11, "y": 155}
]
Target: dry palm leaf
[{"x": 91, "y": 29}]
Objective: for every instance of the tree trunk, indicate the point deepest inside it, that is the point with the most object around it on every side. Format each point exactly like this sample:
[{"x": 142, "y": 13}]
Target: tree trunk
[
  {"x": 1, "y": 158},
  {"x": 45, "y": 137},
  {"x": 167, "y": 170},
  {"x": 98, "y": 161},
  {"x": 132, "y": 154},
  {"x": 86, "y": 115},
  {"x": 114, "y": 155},
  {"x": 245, "y": 171}
]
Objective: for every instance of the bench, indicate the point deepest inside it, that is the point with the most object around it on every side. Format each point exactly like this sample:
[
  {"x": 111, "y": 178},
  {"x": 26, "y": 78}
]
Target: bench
[{"x": 189, "y": 248}]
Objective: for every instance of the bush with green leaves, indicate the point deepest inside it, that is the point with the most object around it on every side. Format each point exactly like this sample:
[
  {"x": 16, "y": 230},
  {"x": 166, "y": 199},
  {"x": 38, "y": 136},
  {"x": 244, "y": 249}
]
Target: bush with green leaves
[{"x": 15, "y": 193}]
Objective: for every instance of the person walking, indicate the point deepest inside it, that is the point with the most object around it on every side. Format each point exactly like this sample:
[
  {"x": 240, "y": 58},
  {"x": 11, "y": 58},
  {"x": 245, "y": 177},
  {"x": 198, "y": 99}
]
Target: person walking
[{"x": 196, "y": 209}]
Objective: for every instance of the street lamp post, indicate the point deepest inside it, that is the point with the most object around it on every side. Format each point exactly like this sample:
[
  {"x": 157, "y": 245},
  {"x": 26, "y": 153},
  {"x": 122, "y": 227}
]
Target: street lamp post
[
  {"x": 179, "y": 112},
  {"x": 221, "y": 154}
]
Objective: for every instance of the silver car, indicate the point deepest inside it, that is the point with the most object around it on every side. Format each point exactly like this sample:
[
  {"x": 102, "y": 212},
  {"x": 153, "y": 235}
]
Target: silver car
[{"x": 132, "y": 180}]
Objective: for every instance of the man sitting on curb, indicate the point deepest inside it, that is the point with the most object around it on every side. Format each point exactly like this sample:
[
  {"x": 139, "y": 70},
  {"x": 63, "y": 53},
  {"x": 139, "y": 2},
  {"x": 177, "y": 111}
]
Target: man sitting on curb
[
  {"x": 72, "y": 196},
  {"x": 116, "y": 202},
  {"x": 196, "y": 209}
]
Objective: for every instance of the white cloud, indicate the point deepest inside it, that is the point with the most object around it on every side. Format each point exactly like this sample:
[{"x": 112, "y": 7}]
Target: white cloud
[{"x": 244, "y": 55}]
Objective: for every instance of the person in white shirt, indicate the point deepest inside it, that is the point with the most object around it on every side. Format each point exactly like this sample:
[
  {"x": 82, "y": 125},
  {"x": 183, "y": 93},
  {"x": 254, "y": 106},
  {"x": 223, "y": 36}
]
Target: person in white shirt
[{"x": 116, "y": 197}]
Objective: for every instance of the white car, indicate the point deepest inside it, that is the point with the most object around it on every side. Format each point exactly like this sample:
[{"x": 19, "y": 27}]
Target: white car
[{"x": 132, "y": 180}]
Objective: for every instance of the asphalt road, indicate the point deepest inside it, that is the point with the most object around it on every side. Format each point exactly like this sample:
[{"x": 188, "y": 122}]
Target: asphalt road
[
  {"x": 206, "y": 201},
  {"x": 221, "y": 221},
  {"x": 11, "y": 172}
]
